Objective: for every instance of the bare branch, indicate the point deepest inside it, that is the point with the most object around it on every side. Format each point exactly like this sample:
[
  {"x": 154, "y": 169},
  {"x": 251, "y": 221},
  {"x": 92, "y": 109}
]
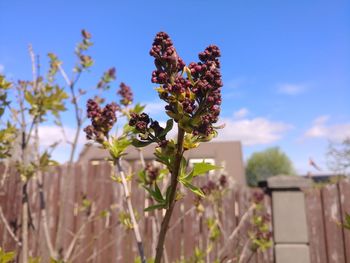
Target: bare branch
[
  {"x": 237, "y": 229},
  {"x": 77, "y": 236},
  {"x": 8, "y": 228},
  {"x": 131, "y": 212}
]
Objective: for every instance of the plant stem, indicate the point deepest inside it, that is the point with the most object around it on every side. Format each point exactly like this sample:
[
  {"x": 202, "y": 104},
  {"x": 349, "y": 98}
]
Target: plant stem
[
  {"x": 172, "y": 195},
  {"x": 44, "y": 216},
  {"x": 246, "y": 256},
  {"x": 65, "y": 178},
  {"x": 131, "y": 211},
  {"x": 155, "y": 221},
  {"x": 24, "y": 223},
  {"x": 8, "y": 228}
]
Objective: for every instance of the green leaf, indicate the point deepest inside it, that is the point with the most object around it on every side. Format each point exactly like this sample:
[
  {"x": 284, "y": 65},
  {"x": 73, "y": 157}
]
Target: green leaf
[
  {"x": 142, "y": 176},
  {"x": 135, "y": 142},
  {"x": 198, "y": 169},
  {"x": 193, "y": 188},
  {"x": 118, "y": 146},
  {"x": 154, "y": 207},
  {"x": 156, "y": 194},
  {"x": 138, "y": 108},
  {"x": 203, "y": 168},
  {"x": 169, "y": 126},
  {"x": 29, "y": 97},
  {"x": 6, "y": 257},
  {"x": 347, "y": 221}
]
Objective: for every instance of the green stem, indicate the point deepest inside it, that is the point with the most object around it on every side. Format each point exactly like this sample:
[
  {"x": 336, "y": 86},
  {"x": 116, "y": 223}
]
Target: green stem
[{"x": 172, "y": 196}]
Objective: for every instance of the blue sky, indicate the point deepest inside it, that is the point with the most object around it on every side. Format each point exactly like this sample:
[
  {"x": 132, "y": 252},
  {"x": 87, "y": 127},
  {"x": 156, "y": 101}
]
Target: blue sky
[{"x": 285, "y": 64}]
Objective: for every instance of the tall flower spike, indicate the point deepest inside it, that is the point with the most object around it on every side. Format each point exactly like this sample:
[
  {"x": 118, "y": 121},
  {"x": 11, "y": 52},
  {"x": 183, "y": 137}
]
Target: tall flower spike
[
  {"x": 126, "y": 94},
  {"x": 167, "y": 61}
]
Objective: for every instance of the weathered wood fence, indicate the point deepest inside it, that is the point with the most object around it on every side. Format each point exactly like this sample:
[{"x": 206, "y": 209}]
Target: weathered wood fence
[
  {"x": 325, "y": 209},
  {"x": 96, "y": 209}
]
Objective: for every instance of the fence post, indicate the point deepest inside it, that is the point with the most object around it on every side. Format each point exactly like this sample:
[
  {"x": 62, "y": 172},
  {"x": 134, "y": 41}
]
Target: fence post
[{"x": 291, "y": 242}]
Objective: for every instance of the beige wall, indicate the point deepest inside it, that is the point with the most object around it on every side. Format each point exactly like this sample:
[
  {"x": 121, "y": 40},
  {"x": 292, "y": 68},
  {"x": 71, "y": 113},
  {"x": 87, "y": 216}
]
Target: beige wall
[{"x": 227, "y": 154}]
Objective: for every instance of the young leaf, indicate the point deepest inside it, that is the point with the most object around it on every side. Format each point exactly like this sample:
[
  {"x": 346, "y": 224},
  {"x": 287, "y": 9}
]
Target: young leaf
[
  {"x": 347, "y": 221},
  {"x": 156, "y": 194},
  {"x": 154, "y": 207},
  {"x": 193, "y": 188},
  {"x": 169, "y": 126},
  {"x": 140, "y": 144},
  {"x": 203, "y": 168}
]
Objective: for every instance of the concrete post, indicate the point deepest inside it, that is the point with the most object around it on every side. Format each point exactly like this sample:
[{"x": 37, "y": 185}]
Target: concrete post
[{"x": 289, "y": 219}]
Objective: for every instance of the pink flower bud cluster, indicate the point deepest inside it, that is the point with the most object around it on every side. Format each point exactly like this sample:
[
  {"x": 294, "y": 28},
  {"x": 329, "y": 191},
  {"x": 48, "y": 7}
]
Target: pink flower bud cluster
[
  {"x": 152, "y": 173},
  {"x": 199, "y": 95},
  {"x": 126, "y": 94},
  {"x": 148, "y": 128},
  {"x": 102, "y": 120}
]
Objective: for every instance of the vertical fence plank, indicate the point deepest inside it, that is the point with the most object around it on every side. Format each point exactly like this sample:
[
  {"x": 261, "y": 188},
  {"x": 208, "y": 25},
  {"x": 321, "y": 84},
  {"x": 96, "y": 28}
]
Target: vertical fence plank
[
  {"x": 314, "y": 216},
  {"x": 344, "y": 195},
  {"x": 334, "y": 236},
  {"x": 174, "y": 235},
  {"x": 13, "y": 208},
  {"x": 191, "y": 227}
]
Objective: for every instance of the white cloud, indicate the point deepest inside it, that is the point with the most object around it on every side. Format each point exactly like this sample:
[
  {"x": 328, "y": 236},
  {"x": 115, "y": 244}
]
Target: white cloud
[
  {"x": 50, "y": 134},
  {"x": 241, "y": 113},
  {"x": 2, "y": 68},
  {"x": 321, "y": 129},
  {"x": 253, "y": 131},
  {"x": 291, "y": 89},
  {"x": 154, "y": 108}
]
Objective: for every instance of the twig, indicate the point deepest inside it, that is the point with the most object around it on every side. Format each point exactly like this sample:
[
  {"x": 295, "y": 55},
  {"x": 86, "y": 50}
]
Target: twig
[
  {"x": 76, "y": 255},
  {"x": 131, "y": 211},
  {"x": 43, "y": 213},
  {"x": 77, "y": 236},
  {"x": 218, "y": 222},
  {"x": 24, "y": 223},
  {"x": 61, "y": 223},
  {"x": 8, "y": 228},
  {"x": 237, "y": 229},
  {"x": 95, "y": 254},
  {"x": 244, "y": 253},
  {"x": 178, "y": 221}
]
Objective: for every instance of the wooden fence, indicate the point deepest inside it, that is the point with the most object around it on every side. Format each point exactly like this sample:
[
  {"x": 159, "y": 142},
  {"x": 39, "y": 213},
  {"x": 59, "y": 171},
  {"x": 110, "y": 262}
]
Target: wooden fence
[
  {"x": 96, "y": 209},
  {"x": 325, "y": 209}
]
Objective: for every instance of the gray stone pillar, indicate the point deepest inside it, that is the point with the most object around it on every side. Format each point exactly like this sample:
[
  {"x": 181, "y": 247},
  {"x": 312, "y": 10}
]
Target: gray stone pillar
[{"x": 289, "y": 219}]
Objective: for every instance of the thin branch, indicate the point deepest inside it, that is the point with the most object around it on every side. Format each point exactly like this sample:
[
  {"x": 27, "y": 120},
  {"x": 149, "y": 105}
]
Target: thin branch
[
  {"x": 218, "y": 222},
  {"x": 71, "y": 84},
  {"x": 25, "y": 223},
  {"x": 34, "y": 66},
  {"x": 52, "y": 251},
  {"x": 237, "y": 229},
  {"x": 178, "y": 221},
  {"x": 76, "y": 255},
  {"x": 245, "y": 252},
  {"x": 8, "y": 228},
  {"x": 131, "y": 212},
  {"x": 77, "y": 236},
  {"x": 64, "y": 75}
]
